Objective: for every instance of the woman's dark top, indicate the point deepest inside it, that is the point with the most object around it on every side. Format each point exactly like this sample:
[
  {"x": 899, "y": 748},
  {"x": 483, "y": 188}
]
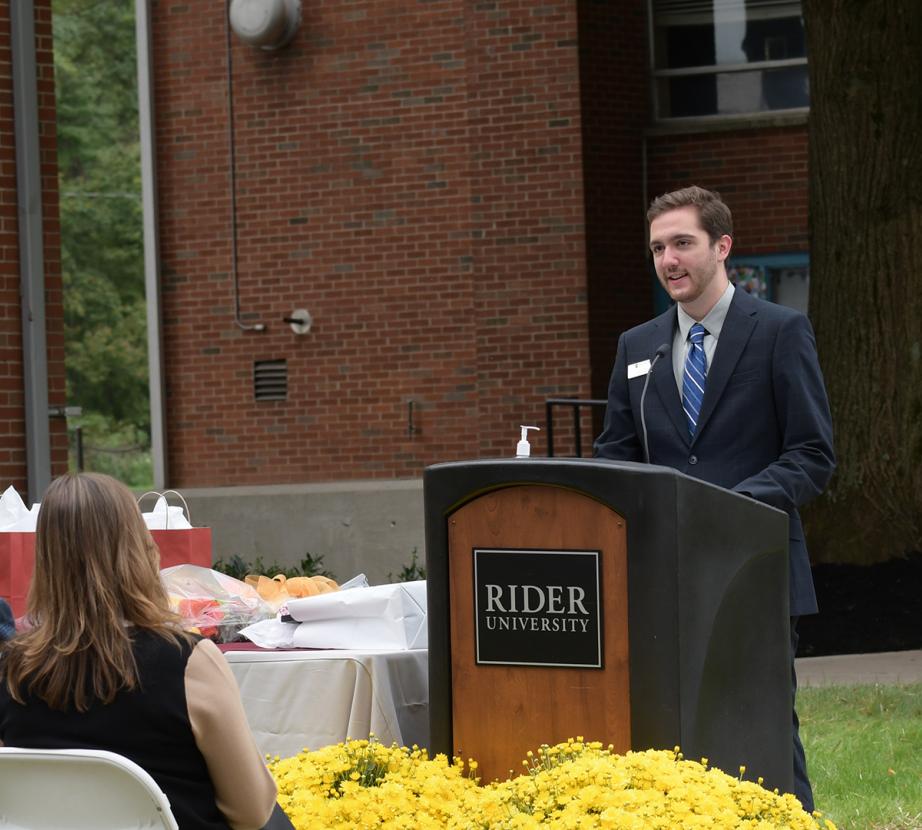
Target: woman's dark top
[{"x": 184, "y": 724}]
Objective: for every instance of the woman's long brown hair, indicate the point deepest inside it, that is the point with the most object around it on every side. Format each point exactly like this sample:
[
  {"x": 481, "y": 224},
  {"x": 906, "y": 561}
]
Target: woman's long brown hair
[{"x": 96, "y": 575}]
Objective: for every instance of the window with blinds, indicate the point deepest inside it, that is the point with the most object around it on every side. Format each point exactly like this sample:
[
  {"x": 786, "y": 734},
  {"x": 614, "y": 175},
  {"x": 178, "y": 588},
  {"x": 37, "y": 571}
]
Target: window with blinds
[{"x": 727, "y": 57}]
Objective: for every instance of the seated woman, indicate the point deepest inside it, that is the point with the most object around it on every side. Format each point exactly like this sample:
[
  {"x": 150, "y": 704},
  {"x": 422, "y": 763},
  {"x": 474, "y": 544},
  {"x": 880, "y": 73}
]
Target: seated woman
[{"x": 106, "y": 665}]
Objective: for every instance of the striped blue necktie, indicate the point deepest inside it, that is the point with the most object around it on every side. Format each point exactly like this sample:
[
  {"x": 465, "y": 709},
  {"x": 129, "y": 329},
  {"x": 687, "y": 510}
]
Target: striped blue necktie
[{"x": 696, "y": 370}]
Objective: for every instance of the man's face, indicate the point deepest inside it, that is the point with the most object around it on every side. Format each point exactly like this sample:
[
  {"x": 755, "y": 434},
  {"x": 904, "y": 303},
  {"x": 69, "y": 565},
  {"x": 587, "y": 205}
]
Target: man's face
[{"x": 688, "y": 265}]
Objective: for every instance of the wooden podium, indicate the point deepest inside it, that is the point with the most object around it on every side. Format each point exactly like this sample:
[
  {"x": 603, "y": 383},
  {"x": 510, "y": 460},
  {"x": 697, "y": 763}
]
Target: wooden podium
[{"x": 624, "y": 603}]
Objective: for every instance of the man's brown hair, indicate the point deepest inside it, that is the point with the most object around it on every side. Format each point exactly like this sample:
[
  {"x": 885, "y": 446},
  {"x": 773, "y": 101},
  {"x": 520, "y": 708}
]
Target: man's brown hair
[{"x": 714, "y": 216}]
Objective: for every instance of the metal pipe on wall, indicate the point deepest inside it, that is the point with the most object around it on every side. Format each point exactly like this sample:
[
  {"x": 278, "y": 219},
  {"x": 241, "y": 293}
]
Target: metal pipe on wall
[
  {"x": 151, "y": 245},
  {"x": 31, "y": 248}
]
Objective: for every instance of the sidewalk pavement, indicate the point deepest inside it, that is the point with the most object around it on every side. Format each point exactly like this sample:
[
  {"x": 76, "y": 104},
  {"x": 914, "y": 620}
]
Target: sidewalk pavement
[{"x": 901, "y": 667}]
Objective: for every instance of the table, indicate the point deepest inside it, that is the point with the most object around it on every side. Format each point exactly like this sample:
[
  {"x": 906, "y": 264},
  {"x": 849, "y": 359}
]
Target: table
[{"x": 296, "y": 699}]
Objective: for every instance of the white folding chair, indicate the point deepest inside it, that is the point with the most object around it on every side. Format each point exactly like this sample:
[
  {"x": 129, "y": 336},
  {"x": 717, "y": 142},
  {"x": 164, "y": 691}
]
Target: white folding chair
[{"x": 78, "y": 789}]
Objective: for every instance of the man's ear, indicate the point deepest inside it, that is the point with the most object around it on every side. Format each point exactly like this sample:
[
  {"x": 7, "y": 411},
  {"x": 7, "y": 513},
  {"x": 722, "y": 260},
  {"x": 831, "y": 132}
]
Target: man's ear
[{"x": 724, "y": 244}]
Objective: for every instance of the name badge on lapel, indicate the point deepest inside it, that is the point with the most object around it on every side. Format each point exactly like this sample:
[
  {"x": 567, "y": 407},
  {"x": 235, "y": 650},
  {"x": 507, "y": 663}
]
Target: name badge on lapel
[{"x": 637, "y": 369}]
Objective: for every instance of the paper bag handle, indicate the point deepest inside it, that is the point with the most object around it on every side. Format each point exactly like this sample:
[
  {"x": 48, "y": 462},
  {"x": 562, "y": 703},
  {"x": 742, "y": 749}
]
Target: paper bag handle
[{"x": 164, "y": 494}]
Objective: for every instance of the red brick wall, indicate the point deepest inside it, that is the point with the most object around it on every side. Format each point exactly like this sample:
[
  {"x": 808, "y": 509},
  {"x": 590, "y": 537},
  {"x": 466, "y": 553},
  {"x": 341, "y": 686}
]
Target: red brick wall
[
  {"x": 615, "y": 96},
  {"x": 761, "y": 174},
  {"x": 51, "y": 229},
  {"x": 455, "y": 190},
  {"x": 12, "y": 417},
  {"x": 12, "y": 428},
  {"x": 412, "y": 175}
]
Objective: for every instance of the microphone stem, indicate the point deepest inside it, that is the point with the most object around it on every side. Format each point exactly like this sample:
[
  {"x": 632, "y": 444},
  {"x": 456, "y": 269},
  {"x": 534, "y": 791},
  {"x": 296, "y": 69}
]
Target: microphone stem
[{"x": 643, "y": 395}]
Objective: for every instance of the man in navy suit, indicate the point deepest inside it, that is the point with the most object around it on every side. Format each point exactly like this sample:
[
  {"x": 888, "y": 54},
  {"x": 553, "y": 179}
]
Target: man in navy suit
[{"x": 738, "y": 398}]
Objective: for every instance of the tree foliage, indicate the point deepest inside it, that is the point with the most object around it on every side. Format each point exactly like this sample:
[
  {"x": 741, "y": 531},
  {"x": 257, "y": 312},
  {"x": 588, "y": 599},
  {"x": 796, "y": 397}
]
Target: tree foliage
[
  {"x": 866, "y": 270},
  {"x": 101, "y": 216}
]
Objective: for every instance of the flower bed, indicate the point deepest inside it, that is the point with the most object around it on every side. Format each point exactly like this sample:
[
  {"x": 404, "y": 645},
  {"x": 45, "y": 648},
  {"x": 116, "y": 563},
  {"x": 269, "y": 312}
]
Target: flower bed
[{"x": 571, "y": 785}]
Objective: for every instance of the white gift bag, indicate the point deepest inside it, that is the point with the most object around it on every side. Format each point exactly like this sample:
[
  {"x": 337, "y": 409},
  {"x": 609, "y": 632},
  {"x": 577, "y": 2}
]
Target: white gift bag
[
  {"x": 15, "y": 517},
  {"x": 378, "y": 617}
]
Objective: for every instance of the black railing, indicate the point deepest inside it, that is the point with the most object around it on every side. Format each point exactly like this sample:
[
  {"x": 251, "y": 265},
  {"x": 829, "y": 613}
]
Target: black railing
[{"x": 576, "y": 404}]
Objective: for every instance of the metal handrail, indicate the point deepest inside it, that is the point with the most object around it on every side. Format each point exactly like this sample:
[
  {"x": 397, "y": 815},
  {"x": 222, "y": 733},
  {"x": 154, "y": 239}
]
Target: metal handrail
[{"x": 576, "y": 404}]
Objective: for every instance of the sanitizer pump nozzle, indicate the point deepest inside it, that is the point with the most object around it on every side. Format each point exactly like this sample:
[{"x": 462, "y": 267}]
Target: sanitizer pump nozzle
[{"x": 523, "y": 448}]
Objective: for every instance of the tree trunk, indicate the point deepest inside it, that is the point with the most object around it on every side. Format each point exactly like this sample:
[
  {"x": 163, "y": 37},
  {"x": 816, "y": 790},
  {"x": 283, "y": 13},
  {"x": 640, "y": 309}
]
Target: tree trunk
[{"x": 866, "y": 270}]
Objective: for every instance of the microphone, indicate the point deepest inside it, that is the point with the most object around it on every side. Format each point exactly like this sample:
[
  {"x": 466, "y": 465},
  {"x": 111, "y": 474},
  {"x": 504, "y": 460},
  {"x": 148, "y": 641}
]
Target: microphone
[{"x": 662, "y": 351}]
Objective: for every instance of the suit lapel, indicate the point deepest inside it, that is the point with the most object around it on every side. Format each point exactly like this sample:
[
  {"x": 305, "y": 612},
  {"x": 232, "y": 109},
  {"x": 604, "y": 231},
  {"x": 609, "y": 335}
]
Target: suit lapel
[
  {"x": 663, "y": 375},
  {"x": 734, "y": 335}
]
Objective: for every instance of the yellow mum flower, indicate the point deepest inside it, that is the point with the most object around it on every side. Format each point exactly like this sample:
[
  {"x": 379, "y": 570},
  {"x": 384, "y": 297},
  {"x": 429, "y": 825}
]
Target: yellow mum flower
[{"x": 570, "y": 786}]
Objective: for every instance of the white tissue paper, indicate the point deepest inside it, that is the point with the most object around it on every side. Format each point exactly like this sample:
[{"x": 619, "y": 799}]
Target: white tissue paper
[
  {"x": 166, "y": 517},
  {"x": 378, "y": 617},
  {"x": 271, "y": 633},
  {"x": 358, "y": 581},
  {"x": 276, "y": 633},
  {"x": 14, "y": 515}
]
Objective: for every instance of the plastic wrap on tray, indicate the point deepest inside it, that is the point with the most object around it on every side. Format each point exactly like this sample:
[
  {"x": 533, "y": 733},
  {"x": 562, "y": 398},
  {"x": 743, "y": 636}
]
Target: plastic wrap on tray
[{"x": 214, "y": 604}]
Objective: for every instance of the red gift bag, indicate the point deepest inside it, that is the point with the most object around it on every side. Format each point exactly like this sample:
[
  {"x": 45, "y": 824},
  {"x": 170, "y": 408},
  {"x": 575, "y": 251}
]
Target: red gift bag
[
  {"x": 181, "y": 546},
  {"x": 17, "y": 559}
]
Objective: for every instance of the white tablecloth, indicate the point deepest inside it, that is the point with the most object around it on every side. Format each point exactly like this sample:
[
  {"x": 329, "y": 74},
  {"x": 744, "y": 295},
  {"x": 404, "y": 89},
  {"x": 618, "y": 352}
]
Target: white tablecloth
[{"x": 309, "y": 699}]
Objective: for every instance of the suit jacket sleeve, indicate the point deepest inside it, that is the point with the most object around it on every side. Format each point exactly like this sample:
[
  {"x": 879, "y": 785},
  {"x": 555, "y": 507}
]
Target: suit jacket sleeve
[
  {"x": 244, "y": 790},
  {"x": 806, "y": 460},
  {"x": 7, "y": 626},
  {"x": 619, "y": 439}
]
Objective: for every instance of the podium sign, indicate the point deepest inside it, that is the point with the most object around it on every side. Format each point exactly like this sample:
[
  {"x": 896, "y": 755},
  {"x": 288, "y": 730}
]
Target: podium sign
[
  {"x": 538, "y": 607},
  {"x": 499, "y": 711}
]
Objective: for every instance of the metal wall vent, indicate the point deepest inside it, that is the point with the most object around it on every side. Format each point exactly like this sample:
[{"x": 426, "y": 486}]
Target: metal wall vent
[{"x": 270, "y": 380}]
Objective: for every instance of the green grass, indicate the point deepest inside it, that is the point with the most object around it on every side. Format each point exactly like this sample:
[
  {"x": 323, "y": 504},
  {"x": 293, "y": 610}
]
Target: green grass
[{"x": 864, "y": 754}]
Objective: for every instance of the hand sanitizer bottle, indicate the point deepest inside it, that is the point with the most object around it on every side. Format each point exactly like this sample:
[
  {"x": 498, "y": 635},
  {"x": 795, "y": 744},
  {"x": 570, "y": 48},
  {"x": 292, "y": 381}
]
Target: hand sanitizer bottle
[{"x": 523, "y": 448}]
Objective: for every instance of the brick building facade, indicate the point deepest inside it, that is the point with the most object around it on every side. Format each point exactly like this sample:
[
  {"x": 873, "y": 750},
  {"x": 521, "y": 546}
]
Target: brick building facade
[
  {"x": 409, "y": 173},
  {"x": 13, "y": 465},
  {"x": 454, "y": 190},
  {"x": 761, "y": 172}
]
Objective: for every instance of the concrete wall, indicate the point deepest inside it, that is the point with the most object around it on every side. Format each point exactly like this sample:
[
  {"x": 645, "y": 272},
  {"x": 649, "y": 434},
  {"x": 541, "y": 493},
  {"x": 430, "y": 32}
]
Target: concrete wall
[{"x": 368, "y": 527}]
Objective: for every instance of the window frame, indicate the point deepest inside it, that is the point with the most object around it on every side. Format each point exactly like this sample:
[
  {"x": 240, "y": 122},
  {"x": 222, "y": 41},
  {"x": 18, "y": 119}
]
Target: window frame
[{"x": 657, "y": 75}]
